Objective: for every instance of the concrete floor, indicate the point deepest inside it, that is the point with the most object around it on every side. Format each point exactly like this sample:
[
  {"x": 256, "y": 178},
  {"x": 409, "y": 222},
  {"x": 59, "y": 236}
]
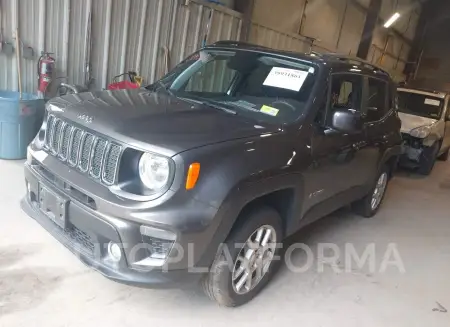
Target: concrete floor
[{"x": 43, "y": 284}]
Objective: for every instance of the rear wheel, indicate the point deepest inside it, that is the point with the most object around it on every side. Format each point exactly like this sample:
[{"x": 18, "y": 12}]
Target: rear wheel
[
  {"x": 245, "y": 266},
  {"x": 428, "y": 159},
  {"x": 369, "y": 205}
]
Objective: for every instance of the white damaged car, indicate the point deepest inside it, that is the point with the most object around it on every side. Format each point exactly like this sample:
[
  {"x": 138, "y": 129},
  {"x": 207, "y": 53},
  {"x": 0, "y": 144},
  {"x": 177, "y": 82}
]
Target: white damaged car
[{"x": 425, "y": 128}]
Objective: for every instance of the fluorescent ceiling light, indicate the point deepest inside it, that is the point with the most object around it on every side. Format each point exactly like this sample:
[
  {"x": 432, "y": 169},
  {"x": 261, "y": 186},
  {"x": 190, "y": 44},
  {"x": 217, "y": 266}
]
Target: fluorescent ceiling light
[{"x": 392, "y": 20}]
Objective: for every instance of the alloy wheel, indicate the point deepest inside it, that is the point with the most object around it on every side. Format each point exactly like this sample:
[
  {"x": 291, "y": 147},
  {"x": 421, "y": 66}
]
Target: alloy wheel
[
  {"x": 254, "y": 259},
  {"x": 379, "y": 190}
]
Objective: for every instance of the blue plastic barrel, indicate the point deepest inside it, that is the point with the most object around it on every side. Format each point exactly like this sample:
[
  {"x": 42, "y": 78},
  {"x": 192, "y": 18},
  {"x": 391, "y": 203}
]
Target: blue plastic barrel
[{"x": 20, "y": 120}]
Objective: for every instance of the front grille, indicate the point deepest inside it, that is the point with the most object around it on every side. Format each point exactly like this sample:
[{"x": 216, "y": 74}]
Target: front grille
[
  {"x": 67, "y": 130},
  {"x": 74, "y": 146},
  {"x": 86, "y": 147},
  {"x": 112, "y": 155},
  {"x": 90, "y": 154},
  {"x": 97, "y": 157}
]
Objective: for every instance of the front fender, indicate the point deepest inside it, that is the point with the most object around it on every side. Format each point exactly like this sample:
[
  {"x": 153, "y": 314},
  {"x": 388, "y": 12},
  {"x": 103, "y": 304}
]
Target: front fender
[
  {"x": 390, "y": 155},
  {"x": 436, "y": 135},
  {"x": 245, "y": 193},
  {"x": 234, "y": 173},
  {"x": 432, "y": 139}
]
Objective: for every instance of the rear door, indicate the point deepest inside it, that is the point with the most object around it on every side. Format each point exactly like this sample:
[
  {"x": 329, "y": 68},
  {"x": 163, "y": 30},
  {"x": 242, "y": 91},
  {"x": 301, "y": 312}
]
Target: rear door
[{"x": 377, "y": 109}]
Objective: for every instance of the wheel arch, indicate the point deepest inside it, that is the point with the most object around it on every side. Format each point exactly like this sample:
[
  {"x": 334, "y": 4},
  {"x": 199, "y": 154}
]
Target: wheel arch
[
  {"x": 282, "y": 201},
  {"x": 282, "y": 193},
  {"x": 390, "y": 158}
]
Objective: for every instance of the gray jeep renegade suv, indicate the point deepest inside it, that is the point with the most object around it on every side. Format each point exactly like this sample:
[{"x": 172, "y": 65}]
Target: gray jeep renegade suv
[{"x": 210, "y": 168}]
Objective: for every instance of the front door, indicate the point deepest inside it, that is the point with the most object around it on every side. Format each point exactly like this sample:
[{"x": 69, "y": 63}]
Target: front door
[{"x": 336, "y": 162}]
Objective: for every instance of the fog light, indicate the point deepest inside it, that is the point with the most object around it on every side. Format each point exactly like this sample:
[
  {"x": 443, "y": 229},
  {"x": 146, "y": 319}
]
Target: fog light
[
  {"x": 28, "y": 188},
  {"x": 160, "y": 241},
  {"x": 114, "y": 251}
]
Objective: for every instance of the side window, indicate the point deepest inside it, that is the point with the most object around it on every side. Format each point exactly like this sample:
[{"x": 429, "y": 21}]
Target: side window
[
  {"x": 346, "y": 92},
  {"x": 396, "y": 101},
  {"x": 392, "y": 99},
  {"x": 376, "y": 100}
]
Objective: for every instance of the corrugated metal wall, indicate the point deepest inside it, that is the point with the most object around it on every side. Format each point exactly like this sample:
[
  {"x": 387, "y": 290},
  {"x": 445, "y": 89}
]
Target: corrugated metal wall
[
  {"x": 149, "y": 36},
  {"x": 337, "y": 25}
]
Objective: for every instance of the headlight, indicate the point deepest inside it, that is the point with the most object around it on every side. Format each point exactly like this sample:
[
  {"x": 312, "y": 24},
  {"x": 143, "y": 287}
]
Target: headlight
[
  {"x": 154, "y": 171},
  {"x": 421, "y": 132},
  {"x": 39, "y": 140}
]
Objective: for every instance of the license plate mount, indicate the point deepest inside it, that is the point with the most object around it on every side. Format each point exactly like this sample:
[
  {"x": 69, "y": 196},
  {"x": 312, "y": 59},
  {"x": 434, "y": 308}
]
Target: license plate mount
[{"x": 53, "y": 206}]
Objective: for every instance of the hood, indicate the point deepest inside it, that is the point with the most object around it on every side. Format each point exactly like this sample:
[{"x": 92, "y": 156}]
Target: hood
[
  {"x": 410, "y": 122},
  {"x": 154, "y": 121}
]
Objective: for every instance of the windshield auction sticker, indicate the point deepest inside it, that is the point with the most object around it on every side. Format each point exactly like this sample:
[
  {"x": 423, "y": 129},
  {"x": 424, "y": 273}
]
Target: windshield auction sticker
[
  {"x": 432, "y": 102},
  {"x": 286, "y": 78},
  {"x": 269, "y": 110}
]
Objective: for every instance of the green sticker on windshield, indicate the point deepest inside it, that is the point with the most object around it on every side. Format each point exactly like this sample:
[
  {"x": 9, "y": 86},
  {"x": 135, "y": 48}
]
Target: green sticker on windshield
[{"x": 269, "y": 110}]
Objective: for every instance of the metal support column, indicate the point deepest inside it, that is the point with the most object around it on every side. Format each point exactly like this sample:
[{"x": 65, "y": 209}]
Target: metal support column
[
  {"x": 369, "y": 27},
  {"x": 429, "y": 13}
]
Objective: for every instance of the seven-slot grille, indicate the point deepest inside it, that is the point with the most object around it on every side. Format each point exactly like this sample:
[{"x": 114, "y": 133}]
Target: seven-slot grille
[{"x": 88, "y": 153}]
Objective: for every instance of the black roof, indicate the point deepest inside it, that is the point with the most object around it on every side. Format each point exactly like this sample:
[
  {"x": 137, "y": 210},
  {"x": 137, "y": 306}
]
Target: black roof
[{"x": 319, "y": 58}]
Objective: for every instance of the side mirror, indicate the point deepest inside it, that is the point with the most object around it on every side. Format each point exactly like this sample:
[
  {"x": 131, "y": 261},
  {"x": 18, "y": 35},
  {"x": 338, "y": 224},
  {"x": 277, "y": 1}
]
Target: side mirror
[{"x": 347, "y": 121}]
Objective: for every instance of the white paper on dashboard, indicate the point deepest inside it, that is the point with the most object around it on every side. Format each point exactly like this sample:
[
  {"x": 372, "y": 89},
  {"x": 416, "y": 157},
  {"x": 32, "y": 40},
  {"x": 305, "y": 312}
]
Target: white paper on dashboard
[
  {"x": 432, "y": 102},
  {"x": 286, "y": 78}
]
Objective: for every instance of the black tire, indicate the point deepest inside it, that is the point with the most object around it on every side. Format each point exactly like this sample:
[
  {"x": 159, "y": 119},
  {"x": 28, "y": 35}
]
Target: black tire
[
  {"x": 363, "y": 207},
  {"x": 428, "y": 159},
  {"x": 444, "y": 156},
  {"x": 217, "y": 284}
]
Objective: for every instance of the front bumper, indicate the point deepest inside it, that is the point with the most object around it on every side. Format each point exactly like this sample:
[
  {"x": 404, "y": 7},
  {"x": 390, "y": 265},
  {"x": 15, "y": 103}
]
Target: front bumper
[
  {"x": 412, "y": 150},
  {"x": 89, "y": 230},
  {"x": 156, "y": 278}
]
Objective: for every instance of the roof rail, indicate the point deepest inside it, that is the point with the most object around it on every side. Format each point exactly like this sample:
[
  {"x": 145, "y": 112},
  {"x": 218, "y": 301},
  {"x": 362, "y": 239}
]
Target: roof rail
[
  {"x": 357, "y": 60},
  {"x": 317, "y": 54},
  {"x": 239, "y": 43}
]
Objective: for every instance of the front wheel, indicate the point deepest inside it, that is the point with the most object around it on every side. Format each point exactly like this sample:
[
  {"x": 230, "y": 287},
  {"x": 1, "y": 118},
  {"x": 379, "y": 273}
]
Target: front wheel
[
  {"x": 369, "y": 205},
  {"x": 246, "y": 263}
]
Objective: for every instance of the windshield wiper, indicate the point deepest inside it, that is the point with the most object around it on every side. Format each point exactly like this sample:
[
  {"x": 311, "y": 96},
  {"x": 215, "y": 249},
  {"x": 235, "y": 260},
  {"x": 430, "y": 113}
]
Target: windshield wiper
[
  {"x": 213, "y": 104},
  {"x": 218, "y": 105}
]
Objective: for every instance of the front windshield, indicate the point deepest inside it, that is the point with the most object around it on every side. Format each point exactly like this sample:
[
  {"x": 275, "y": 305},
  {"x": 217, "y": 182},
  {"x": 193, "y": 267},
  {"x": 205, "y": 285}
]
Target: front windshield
[
  {"x": 420, "y": 104},
  {"x": 257, "y": 85}
]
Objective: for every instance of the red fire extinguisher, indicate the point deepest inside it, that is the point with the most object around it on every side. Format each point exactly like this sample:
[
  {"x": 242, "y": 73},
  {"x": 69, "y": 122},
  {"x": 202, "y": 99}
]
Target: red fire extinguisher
[{"x": 45, "y": 67}]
